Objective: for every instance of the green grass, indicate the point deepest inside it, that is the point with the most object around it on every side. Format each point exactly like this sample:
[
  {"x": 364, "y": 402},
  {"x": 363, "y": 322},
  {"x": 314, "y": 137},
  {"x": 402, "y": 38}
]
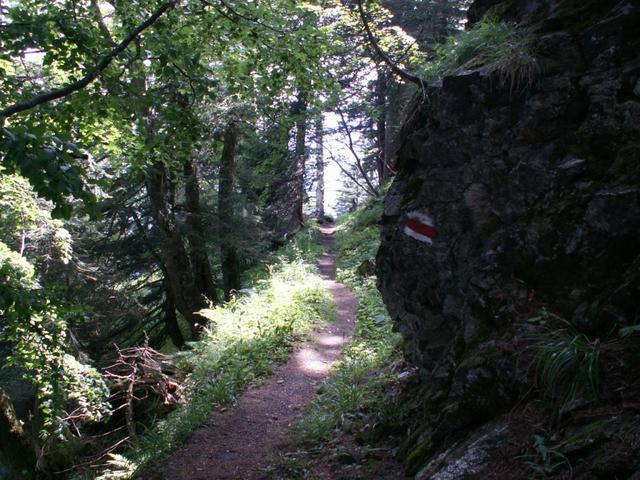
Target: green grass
[
  {"x": 492, "y": 46},
  {"x": 567, "y": 361},
  {"x": 303, "y": 246},
  {"x": 244, "y": 340},
  {"x": 290, "y": 466}
]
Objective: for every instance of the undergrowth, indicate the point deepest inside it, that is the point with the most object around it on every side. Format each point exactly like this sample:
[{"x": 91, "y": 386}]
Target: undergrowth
[
  {"x": 545, "y": 461},
  {"x": 569, "y": 365},
  {"x": 357, "y": 242},
  {"x": 355, "y": 396},
  {"x": 242, "y": 343},
  {"x": 303, "y": 246},
  {"x": 491, "y": 45}
]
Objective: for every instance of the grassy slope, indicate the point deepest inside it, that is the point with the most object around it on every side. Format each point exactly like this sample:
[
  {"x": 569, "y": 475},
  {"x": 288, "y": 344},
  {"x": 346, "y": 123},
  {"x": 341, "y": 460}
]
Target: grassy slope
[{"x": 244, "y": 341}]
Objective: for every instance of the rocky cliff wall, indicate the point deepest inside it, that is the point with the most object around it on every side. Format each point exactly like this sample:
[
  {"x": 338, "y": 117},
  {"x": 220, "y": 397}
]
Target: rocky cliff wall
[{"x": 509, "y": 201}]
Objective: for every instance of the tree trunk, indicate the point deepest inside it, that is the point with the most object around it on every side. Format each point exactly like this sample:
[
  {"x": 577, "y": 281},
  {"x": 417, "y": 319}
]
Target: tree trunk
[
  {"x": 384, "y": 132},
  {"x": 16, "y": 451},
  {"x": 319, "y": 168},
  {"x": 228, "y": 252},
  {"x": 171, "y": 327},
  {"x": 178, "y": 274},
  {"x": 202, "y": 271},
  {"x": 300, "y": 113},
  {"x": 187, "y": 298}
]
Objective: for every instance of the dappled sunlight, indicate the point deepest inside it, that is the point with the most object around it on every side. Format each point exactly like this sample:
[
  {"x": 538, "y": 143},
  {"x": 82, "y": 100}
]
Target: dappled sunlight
[
  {"x": 318, "y": 361},
  {"x": 331, "y": 340},
  {"x": 313, "y": 363}
]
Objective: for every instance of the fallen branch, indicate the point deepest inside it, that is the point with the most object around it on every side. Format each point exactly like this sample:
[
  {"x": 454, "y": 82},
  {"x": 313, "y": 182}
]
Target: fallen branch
[{"x": 136, "y": 373}]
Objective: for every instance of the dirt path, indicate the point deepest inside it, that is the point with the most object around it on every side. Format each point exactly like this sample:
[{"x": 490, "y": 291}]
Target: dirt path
[{"x": 235, "y": 443}]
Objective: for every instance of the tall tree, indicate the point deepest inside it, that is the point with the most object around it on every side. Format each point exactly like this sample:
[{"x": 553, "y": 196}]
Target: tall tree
[
  {"x": 228, "y": 251},
  {"x": 131, "y": 140},
  {"x": 299, "y": 112},
  {"x": 319, "y": 141},
  {"x": 187, "y": 298},
  {"x": 202, "y": 272}
]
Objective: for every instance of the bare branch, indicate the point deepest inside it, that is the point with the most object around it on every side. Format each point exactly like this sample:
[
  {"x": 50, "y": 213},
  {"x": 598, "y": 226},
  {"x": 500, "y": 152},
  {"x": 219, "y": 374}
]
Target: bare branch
[
  {"x": 101, "y": 25},
  {"x": 352, "y": 149},
  {"x": 411, "y": 77},
  {"x": 345, "y": 171},
  {"x": 93, "y": 74}
]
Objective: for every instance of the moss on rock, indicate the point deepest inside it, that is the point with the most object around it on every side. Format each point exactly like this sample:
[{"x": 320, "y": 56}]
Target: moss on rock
[{"x": 419, "y": 456}]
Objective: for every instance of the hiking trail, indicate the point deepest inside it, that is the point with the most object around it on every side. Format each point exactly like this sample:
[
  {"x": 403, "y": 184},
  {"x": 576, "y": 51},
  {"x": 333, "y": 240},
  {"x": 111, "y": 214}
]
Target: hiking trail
[{"x": 237, "y": 441}]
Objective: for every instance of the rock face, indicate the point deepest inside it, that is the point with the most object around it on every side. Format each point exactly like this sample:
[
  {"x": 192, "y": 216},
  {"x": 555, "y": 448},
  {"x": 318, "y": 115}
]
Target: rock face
[{"x": 508, "y": 201}]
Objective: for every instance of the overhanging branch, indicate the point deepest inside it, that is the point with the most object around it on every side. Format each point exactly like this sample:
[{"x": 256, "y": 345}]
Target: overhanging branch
[
  {"x": 402, "y": 73},
  {"x": 93, "y": 74}
]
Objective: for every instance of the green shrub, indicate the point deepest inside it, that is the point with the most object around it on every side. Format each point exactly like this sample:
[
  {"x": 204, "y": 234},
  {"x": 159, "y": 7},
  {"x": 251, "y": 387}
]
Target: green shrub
[
  {"x": 357, "y": 240},
  {"x": 303, "y": 246}
]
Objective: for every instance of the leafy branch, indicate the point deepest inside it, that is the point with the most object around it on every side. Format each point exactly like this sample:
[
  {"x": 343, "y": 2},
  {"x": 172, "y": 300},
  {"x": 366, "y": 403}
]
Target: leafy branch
[{"x": 91, "y": 75}]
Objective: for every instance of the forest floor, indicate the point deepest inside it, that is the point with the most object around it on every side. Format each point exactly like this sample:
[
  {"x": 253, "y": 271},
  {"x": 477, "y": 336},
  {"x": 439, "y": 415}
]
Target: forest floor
[{"x": 237, "y": 441}]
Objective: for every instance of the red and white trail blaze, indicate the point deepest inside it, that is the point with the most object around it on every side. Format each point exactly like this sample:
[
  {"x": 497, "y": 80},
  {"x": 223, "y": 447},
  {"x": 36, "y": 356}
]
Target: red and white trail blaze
[{"x": 421, "y": 227}]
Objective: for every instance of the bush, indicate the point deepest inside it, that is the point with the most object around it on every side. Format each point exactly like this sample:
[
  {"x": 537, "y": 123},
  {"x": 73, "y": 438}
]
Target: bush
[{"x": 357, "y": 241}]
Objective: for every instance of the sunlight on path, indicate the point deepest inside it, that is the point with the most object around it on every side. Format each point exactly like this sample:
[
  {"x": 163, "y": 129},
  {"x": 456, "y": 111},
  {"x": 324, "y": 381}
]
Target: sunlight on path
[{"x": 236, "y": 442}]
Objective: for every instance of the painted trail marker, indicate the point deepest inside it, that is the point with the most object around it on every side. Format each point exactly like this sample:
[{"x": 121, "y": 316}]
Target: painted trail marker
[{"x": 420, "y": 226}]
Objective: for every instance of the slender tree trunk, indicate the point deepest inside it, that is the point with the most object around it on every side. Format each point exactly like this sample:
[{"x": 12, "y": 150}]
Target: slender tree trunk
[
  {"x": 319, "y": 168},
  {"x": 16, "y": 451},
  {"x": 202, "y": 271},
  {"x": 187, "y": 298},
  {"x": 228, "y": 252},
  {"x": 382, "y": 164},
  {"x": 171, "y": 327},
  {"x": 300, "y": 113}
]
